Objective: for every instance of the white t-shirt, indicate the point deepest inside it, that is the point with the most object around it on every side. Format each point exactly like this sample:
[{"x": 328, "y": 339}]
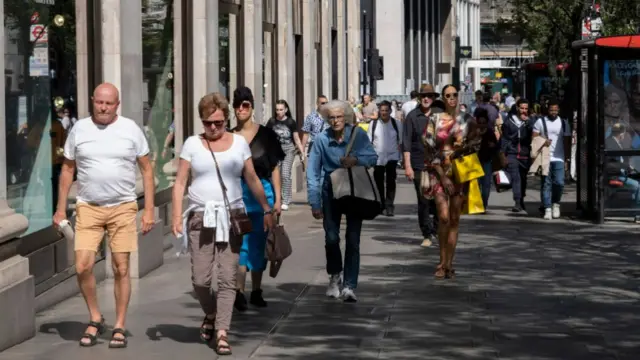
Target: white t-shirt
[
  {"x": 205, "y": 184},
  {"x": 106, "y": 158},
  {"x": 408, "y": 106},
  {"x": 385, "y": 141},
  {"x": 555, "y": 130}
]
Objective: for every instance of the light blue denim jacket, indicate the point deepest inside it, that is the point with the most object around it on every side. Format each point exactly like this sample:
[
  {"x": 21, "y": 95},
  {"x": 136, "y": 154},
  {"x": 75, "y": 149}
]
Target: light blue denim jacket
[{"x": 325, "y": 158}]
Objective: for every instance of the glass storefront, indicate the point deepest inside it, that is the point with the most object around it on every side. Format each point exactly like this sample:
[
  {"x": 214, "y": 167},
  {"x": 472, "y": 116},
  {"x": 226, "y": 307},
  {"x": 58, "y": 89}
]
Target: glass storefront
[
  {"x": 40, "y": 102},
  {"x": 157, "y": 62},
  {"x": 223, "y": 47}
]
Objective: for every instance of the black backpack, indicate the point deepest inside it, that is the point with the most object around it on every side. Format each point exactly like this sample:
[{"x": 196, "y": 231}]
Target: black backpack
[{"x": 393, "y": 123}]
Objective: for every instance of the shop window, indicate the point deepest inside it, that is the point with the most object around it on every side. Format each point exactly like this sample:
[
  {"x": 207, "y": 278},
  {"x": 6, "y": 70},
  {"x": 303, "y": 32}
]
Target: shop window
[
  {"x": 40, "y": 102},
  {"x": 158, "y": 72}
]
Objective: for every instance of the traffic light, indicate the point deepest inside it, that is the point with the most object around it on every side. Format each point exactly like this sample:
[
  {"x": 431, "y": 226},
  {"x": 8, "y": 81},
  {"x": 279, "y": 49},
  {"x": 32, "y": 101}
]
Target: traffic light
[{"x": 376, "y": 65}]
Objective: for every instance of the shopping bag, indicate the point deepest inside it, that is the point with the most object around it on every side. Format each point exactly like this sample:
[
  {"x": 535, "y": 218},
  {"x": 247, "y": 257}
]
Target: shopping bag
[
  {"x": 467, "y": 168},
  {"x": 501, "y": 181},
  {"x": 473, "y": 203}
]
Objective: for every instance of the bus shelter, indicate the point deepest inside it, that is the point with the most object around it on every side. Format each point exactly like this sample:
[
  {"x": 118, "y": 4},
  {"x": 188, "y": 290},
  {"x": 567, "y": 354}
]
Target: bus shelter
[{"x": 606, "y": 75}]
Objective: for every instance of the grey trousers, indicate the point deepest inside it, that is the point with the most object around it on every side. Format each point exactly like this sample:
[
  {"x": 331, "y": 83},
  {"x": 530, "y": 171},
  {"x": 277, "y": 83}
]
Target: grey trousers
[{"x": 206, "y": 255}]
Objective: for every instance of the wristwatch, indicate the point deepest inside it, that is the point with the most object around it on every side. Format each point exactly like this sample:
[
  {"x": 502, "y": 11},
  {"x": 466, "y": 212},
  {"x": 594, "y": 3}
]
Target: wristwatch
[{"x": 267, "y": 212}]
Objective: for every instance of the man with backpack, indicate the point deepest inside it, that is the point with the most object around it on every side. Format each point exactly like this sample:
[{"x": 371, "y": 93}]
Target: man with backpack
[
  {"x": 557, "y": 133},
  {"x": 385, "y": 135}
]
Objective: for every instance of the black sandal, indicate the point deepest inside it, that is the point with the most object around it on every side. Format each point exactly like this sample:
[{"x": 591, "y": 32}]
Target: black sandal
[
  {"x": 223, "y": 349},
  {"x": 206, "y": 333},
  {"x": 93, "y": 339},
  {"x": 117, "y": 342}
]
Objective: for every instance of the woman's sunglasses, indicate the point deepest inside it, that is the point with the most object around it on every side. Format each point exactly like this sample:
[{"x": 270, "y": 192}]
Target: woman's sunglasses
[
  {"x": 451, "y": 96},
  {"x": 245, "y": 105},
  {"x": 216, "y": 123}
]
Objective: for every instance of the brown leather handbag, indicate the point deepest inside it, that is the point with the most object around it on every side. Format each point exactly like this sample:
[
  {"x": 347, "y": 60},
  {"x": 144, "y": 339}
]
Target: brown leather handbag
[
  {"x": 278, "y": 247},
  {"x": 239, "y": 221}
]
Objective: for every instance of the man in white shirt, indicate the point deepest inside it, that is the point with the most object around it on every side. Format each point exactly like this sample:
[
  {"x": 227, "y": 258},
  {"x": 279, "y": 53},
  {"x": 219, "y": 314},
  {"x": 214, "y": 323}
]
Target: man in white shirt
[
  {"x": 385, "y": 134},
  {"x": 558, "y": 135},
  {"x": 408, "y": 106},
  {"x": 105, "y": 149}
]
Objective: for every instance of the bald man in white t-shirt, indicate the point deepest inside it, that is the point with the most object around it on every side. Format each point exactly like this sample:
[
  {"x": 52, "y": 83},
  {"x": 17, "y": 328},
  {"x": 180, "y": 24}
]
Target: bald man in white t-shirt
[{"x": 106, "y": 149}]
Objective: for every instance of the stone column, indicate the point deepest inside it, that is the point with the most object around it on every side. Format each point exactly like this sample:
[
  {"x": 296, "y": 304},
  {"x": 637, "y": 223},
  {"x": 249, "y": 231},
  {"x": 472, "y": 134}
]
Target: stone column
[
  {"x": 268, "y": 77},
  {"x": 213, "y": 42},
  {"x": 286, "y": 59},
  {"x": 83, "y": 101},
  {"x": 17, "y": 288},
  {"x": 325, "y": 41},
  {"x": 353, "y": 50},
  {"x": 233, "y": 61},
  {"x": 342, "y": 52},
  {"x": 122, "y": 66},
  {"x": 122, "y": 53},
  {"x": 199, "y": 50},
  {"x": 253, "y": 54},
  {"x": 178, "y": 81},
  {"x": 446, "y": 16},
  {"x": 308, "y": 45}
]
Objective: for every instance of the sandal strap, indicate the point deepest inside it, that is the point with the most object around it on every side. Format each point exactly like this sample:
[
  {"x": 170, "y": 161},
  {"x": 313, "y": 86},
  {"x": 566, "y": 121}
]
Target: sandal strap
[
  {"x": 96, "y": 324},
  {"x": 89, "y": 336},
  {"x": 120, "y": 331}
]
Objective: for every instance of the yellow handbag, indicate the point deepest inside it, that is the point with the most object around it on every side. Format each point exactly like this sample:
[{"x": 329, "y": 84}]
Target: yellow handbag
[
  {"x": 467, "y": 168},
  {"x": 473, "y": 204}
]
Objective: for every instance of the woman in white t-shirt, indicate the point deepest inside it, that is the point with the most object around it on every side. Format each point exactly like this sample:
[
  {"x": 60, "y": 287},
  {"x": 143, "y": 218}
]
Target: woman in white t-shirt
[{"x": 206, "y": 220}]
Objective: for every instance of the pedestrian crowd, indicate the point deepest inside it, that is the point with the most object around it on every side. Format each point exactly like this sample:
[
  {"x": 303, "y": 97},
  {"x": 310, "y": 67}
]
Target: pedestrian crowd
[{"x": 237, "y": 182}]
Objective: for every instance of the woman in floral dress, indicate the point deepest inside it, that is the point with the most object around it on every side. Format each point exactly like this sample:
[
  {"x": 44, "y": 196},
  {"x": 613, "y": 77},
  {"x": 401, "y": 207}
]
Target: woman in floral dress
[{"x": 448, "y": 135}]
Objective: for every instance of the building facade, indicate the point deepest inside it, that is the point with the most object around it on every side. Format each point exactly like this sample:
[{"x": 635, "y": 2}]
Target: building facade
[
  {"x": 417, "y": 41},
  {"x": 163, "y": 55}
]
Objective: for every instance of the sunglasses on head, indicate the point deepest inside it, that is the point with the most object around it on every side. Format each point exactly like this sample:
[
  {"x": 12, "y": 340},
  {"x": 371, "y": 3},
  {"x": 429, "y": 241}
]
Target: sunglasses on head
[
  {"x": 451, "y": 95},
  {"x": 216, "y": 123}
]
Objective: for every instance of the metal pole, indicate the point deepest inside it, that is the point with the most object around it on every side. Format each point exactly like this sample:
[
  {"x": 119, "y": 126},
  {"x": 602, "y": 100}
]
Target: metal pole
[
  {"x": 372, "y": 81},
  {"x": 365, "y": 63},
  {"x": 456, "y": 69}
]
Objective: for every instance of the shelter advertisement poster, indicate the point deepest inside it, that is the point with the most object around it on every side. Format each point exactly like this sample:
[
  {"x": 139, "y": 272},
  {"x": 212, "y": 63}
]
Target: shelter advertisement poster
[{"x": 622, "y": 101}]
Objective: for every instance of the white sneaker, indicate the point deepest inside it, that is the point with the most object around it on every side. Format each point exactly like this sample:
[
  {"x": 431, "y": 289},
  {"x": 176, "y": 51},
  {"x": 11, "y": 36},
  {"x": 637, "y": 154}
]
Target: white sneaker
[
  {"x": 348, "y": 295},
  {"x": 284, "y": 207},
  {"x": 333, "y": 290},
  {"x": 556, "y": 211},
  {"x": 548, "y": 214}
]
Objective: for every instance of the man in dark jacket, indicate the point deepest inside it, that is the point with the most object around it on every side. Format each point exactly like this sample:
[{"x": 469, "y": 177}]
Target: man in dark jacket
[
  {"x": 413, "y": 152},
  {"x": 516, "y": 145}
]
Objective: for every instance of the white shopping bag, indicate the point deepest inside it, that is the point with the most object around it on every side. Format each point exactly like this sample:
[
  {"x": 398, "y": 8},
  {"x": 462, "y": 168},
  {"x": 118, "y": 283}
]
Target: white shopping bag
[{"x": 501, "y": 181}]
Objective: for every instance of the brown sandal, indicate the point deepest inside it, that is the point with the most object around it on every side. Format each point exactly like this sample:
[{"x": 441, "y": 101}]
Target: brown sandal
[
  {"x": 222, "y": 346},
  {"x": 440, "y": 272},
  {"x": 450, "y": 273}
]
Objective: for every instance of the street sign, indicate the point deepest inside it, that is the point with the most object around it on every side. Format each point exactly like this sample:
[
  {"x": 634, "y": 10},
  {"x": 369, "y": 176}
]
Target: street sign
[
  {"x": 35, "y": 17},
  {"x": 38, "y": 33},
  {"x": 465, "y": 52}
]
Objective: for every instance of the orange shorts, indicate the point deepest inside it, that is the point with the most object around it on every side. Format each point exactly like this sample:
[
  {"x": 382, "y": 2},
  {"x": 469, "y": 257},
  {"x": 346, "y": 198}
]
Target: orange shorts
[{"x": 120, "y": 222}]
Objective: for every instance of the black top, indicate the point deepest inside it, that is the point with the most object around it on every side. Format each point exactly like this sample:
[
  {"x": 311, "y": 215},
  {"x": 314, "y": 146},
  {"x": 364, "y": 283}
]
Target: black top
[
  {"x": 284, "y": 129},
  {"x": 414, "y": 126},
  {"x": 266, "y": 152},
  {"x": 516, "y": 141}
]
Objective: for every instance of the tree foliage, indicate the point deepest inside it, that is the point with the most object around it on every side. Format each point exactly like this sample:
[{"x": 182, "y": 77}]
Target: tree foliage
[{"x": 550, "y": 26}]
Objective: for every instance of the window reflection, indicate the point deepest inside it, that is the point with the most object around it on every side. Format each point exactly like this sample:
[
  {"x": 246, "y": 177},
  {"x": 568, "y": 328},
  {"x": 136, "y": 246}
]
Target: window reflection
[
  {"x": 157, "y": 60},
  {"x": 40, "y": 96},
  {"x": 622, "y": 182}
]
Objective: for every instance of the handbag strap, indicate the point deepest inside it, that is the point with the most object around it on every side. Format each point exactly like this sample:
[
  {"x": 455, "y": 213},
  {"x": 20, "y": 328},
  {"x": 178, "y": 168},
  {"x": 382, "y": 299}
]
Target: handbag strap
[
  {"x": 352, "y": 139},
  {"x": 224, "y": 188}
]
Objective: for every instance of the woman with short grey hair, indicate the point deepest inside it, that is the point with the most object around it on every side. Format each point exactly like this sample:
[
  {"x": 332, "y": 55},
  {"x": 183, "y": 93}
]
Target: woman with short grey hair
[{"x": 328, "y": 154}]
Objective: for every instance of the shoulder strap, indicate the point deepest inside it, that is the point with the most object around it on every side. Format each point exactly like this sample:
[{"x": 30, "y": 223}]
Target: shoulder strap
[
  {"x": 373, "y": 130},
  {"x": 215, "y": 161},
  {"x": 544, "y": 125},
  {"x": 395, "y": 127},
  {"x": 352, "y": 139}
]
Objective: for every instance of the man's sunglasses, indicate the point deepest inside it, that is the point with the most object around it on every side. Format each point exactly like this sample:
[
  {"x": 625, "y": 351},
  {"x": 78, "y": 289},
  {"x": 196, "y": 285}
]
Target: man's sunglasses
[
  {"x": 451, "y": 95},
  {"x": 427, "y": 95},
  {"x": 323, "y": 103}
]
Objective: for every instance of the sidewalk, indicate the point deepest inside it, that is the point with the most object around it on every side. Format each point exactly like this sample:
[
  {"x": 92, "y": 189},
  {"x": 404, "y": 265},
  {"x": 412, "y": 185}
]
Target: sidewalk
[{"x": 525, "y": 289}]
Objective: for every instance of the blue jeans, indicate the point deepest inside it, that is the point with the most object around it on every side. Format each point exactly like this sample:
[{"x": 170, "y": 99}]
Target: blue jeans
[
  {"x": 331, "y": 223},
  {"x": 485, "y": 182},
  {"x": 552, "y": 185},
  {"x": 633, "y": 185}
]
